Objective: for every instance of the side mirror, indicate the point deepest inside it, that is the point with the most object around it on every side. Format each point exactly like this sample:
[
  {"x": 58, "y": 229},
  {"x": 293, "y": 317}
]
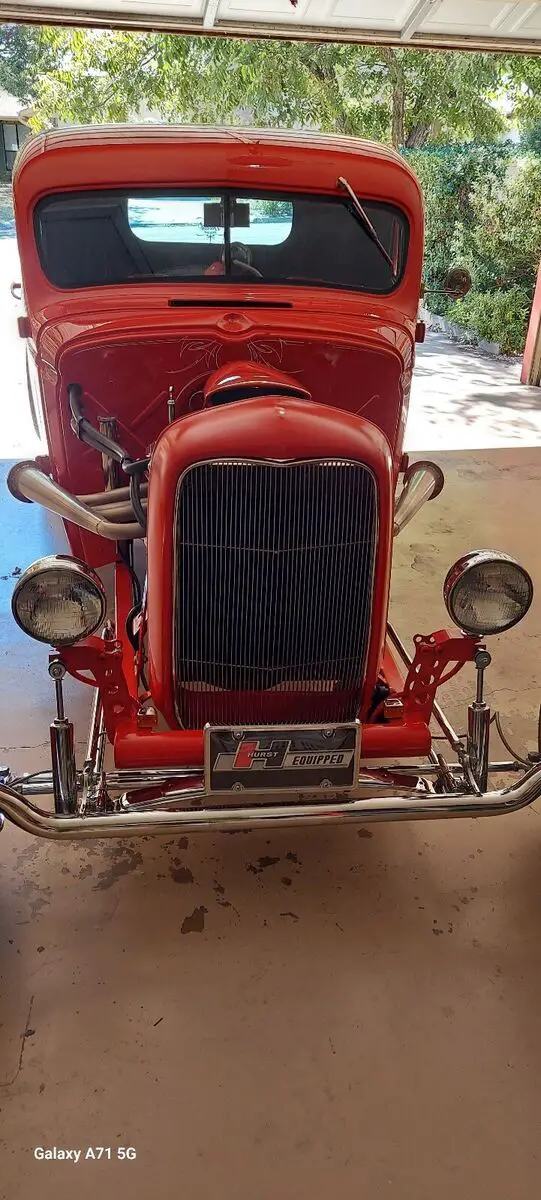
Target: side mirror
[{"x": 457, "y": 282}]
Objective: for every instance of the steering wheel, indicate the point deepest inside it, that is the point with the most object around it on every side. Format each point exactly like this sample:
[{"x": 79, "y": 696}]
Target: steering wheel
[{"x": 243, "y": 268}]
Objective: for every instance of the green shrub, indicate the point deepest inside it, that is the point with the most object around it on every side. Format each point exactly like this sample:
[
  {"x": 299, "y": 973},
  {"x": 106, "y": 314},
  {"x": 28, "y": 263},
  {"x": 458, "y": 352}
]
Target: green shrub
[
  {"x": 500, "y": 317},
  {"x": 483, "y": 212},
  {"x": 456, "y": 180},
  {"x": 530, "y": 140}
]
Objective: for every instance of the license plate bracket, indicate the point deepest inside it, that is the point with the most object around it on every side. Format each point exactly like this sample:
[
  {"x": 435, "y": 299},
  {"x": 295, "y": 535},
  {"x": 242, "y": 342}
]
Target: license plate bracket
[{"x": 299, "y": 758}]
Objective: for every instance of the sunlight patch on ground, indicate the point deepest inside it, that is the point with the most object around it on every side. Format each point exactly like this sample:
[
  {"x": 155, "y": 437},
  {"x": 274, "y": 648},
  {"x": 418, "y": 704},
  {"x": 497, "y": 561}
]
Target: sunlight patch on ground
[
  {"x": 17, "y": 436},
  {"x": 462, "y": 399}
]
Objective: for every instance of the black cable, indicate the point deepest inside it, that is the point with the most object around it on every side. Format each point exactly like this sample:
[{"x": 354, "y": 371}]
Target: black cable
[
  {"x": 104, "y": 445},
  {"x": 134, "y": 639},
  {"x": 137, "y": 594},
  {"x": 135, "y": 466},
  {"x": 87, "y": 433},
  {"x": 132, "y": 635},
  {"x": 135, "y": 497}
]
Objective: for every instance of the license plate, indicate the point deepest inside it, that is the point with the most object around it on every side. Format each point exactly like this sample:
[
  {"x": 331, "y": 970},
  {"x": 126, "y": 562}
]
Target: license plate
[{"x": 278, "y": 759}]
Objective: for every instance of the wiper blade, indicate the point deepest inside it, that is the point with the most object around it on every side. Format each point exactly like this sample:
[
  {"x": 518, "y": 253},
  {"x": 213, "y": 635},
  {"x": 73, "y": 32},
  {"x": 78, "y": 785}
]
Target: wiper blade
[{"x": 365, "y": 221}]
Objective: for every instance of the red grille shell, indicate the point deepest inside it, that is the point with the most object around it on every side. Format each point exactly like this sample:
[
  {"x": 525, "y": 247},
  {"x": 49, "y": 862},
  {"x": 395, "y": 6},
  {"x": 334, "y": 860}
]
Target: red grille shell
[{"x": 269, "y": 429}]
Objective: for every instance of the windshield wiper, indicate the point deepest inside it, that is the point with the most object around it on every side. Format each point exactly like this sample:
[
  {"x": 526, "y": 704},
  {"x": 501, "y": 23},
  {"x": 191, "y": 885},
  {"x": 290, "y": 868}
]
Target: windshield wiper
[{"x": 365, "y": 221}]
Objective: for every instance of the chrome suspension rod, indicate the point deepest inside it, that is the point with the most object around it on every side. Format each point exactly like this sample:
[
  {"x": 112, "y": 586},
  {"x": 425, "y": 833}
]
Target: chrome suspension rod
[
  {"x": 40, "y": 783},
  {"x": 412, "y": 806}
]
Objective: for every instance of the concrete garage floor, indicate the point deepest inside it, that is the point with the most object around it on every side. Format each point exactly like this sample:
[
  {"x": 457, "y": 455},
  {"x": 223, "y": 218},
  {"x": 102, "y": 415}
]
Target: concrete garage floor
[{"x": 346, "y": 1011}]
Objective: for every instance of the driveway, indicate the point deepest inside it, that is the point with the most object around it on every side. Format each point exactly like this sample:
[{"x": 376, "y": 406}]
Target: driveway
[{"x": 463, "y": 399}]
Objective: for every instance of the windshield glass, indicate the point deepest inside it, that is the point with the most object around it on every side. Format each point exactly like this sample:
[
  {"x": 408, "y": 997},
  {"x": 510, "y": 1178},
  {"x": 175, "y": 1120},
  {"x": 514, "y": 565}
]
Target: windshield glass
[{"x": 87, "y": 239}]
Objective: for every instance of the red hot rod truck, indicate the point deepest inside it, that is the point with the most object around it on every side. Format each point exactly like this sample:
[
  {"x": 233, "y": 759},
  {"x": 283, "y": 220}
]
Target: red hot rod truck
[{"x": 221, "y": 329}]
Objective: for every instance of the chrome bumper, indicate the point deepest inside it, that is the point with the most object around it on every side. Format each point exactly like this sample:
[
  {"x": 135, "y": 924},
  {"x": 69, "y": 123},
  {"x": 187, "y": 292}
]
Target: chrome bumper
[
  {"x": 375, "y": 799},
  {"x": 95, "y": 803}
]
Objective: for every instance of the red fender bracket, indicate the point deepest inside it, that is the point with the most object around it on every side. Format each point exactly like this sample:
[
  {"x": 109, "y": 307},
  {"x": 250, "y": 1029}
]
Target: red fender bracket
[
  {"x": 102, "y": 660},
  {"x": 434, "y": 653}
]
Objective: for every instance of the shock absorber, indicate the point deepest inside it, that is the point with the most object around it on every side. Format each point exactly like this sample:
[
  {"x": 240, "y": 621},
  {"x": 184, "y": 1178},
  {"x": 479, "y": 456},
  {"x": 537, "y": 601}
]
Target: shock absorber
[
  {"x": 479, "y": 724},
  {"x": 62, "y": 748}
]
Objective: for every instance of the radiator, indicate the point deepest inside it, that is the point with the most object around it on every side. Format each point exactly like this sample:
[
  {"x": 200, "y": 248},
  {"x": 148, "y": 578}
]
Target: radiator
[{"x": 273, "y": 579}]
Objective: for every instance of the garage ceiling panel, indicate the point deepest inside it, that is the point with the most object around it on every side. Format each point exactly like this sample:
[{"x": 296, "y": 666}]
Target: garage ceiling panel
[
  {"x": 529, "y": 23},
  {"x": 474, "y": 16},
  {"x": 367, "y": 14},
  {"x": 469, "y": 24}
]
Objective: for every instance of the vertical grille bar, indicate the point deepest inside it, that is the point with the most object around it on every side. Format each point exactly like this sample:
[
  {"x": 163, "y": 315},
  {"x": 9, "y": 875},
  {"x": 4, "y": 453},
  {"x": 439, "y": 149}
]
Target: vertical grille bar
[{"x": 274, "y": 567}]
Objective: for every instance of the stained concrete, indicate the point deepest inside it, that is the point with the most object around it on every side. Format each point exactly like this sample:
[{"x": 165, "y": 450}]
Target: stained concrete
[{"x": 342, "y": 1011}]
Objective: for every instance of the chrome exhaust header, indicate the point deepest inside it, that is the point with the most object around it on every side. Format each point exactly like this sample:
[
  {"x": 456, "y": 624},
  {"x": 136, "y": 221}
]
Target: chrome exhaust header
[
  {"x": 374, "y": 803},
  {"x": 26, "y": 481},
  {"x": 423, "y": 481}
]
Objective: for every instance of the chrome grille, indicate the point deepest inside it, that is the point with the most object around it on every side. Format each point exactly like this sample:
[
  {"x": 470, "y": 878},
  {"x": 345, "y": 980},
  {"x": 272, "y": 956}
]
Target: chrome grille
[{"x": 274, "y": 567}]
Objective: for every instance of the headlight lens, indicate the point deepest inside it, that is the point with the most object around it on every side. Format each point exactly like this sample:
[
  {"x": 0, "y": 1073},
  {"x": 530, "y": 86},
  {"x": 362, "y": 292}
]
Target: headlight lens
[
  {"x": 59, "y": 600},
  {"x": 487, "y": 592}
]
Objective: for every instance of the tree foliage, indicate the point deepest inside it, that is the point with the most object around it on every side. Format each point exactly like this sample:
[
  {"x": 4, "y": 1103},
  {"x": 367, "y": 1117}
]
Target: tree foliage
[
  {"x": 25, "y": 54},
  {"x": 407, "y": 97},
  {"x": 522, "y": 77}
]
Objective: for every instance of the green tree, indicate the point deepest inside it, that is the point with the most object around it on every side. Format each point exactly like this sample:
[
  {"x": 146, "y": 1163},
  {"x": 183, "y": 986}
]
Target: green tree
[
  {"x": 24, "y": 53},
  {"x": 405, "y": 97},
  {"x": 523, "y": 88}
]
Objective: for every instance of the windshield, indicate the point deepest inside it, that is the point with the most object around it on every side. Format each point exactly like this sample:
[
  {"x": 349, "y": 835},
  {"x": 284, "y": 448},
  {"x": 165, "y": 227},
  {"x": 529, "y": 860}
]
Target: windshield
[{"x": 87, "y": 239}]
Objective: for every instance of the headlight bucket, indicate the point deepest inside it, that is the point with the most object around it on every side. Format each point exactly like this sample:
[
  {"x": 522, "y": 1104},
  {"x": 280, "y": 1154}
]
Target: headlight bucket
[
  {"x": 59, "y": 600},
  {"x": 487, "y": 592}
]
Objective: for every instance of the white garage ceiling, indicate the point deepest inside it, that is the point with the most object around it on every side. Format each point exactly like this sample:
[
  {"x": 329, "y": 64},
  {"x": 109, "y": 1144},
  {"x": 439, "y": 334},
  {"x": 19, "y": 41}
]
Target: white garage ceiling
[{"x": 469, "y": 24}]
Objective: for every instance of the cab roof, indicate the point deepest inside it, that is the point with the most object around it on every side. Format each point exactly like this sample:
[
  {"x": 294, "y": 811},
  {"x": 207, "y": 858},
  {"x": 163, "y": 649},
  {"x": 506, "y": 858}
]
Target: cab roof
[{"x": 148, "y": 155}]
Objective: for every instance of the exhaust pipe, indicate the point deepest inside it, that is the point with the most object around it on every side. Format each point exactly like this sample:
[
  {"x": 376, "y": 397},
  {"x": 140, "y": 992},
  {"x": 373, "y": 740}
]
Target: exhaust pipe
[
  {"x": 422, "y": 481},
  {"x": 27, "y": 482},
  {"x": 115, "y": 496}
]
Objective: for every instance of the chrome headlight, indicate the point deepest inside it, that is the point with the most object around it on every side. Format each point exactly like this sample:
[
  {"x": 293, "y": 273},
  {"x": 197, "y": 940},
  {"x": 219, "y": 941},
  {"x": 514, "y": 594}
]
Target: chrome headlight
[
  {"x": 487, "y": 592},
  {"x": 59, "y": 600}
]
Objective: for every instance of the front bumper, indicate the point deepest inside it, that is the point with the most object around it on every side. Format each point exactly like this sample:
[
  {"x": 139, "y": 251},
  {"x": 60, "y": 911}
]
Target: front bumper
[
  {"x": 139, "y": 801},
  {"x": 172, "y": 808}
]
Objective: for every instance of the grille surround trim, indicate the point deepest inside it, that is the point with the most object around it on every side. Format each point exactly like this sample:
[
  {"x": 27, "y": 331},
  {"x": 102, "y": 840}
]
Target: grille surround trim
[{"x": 231, "y": 461}]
